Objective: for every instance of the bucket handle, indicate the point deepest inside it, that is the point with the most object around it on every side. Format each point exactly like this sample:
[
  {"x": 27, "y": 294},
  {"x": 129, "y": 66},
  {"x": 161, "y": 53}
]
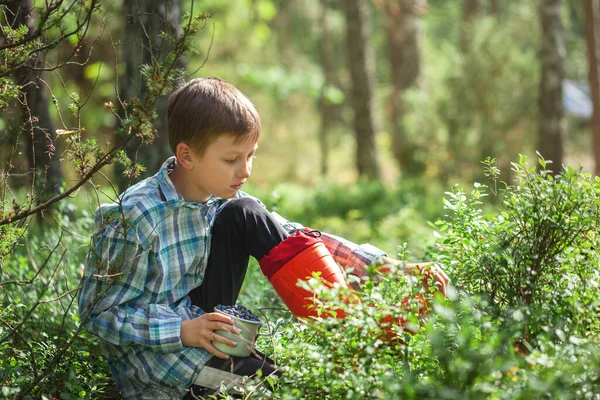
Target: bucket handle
[{"x": 309, "y": 232}]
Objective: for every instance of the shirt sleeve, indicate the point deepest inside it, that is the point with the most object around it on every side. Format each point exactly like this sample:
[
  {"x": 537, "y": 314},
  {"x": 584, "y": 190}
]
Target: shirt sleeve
[
  {"x": 354, "y": 258},
  {"x": 117, "y": 269}
]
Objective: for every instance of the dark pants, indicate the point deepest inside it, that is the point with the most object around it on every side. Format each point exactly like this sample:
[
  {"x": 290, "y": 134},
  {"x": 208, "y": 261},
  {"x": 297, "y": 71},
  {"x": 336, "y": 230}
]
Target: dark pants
[{"x": 242, "y": 229}]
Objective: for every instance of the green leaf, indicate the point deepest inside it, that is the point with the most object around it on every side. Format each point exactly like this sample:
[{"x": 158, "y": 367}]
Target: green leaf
[
  {"x": 542, "y": 162},
  {"x": 522, "y": 160}
]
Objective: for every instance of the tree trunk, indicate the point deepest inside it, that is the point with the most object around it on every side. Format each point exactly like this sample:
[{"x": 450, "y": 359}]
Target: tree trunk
[
  {"x": 551, "y": 112},
  {"x": 35, "y": 114},
  {"x": 591, "y": 36},
  {"x": 326, "y": 108},
  {"x": 404, "y": 54},
  {"x": 470, "y": 11},
  {"x": 144, "y": 22},
  {"x": 285, "y": 41},
  {"x": 495, "y": 8},
  {"x": 360, "y": 58}
]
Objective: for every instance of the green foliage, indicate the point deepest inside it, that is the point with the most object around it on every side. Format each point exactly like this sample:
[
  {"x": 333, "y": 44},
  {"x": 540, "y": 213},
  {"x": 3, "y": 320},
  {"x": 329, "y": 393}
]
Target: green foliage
[
  {"x": 538, "y": 256},
  {"x": 9, "y": 91},
  {"x": 12, "y": 55},
  {"x": 38, "y": 316},
  {"x": 460, "y": 351},
  {"x": 281, "y": 83},
  {"x": 16, "y": 49},
  {"x": 9, "y": 237},
  {"x": 485, "y": 340}
]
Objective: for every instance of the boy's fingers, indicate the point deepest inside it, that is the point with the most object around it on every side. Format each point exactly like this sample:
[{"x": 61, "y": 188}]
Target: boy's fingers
[
  {"x": 226, "y": 327},
  {"x": 215, "y": 337},
  {"x": 440, "y": 285},
  {"x": 444, "y": 275},
  {"x": 220, "y": 317},
  {"x": 431, "y": 273}
]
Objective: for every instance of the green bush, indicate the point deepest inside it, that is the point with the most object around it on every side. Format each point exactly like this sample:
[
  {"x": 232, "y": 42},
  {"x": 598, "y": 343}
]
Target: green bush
[
  {"x": 521, "y": 321},
  {"x": 537, "y": 257},
  {"x": 38, "y": 300},
  {"x": 460, "y": 352}
]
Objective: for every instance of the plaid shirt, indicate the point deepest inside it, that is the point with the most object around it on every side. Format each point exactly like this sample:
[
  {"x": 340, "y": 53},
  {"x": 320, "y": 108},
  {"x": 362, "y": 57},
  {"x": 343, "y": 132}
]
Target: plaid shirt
[{"x": 148, "y": 251}]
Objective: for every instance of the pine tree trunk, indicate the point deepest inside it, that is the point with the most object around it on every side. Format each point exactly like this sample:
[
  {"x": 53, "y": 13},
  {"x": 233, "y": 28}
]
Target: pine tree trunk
[
  {"x": 495, "y": 7},
  {"x": 591, "y": 35},
  {"x": 470, "y": 11},
  {"x": 284, "y": 35},
  {"x": 361, "y": 59},
  {"x": 142, "y": 44},
  {"x": 36, "y": 122},
  {"x": 326, "y": 108},
  {"x": 405, "y": 59},
  {"x": 551, "y": 112}
]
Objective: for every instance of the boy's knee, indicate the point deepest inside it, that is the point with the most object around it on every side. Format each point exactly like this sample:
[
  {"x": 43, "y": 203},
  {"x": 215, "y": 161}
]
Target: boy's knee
[{"x": 241, "y": 208}]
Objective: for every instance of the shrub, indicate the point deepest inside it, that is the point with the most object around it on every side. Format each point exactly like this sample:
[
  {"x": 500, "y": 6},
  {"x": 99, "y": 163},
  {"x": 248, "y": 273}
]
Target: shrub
[
  {"x": 39, "y": 319},
  {"x": 521, "y": 321},
  {"x": 537, "y": 258},
  {"x": 461, "y": 351}
]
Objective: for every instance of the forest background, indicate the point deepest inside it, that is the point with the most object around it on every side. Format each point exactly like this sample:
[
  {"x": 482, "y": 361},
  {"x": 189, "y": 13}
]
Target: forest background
[{"x": 374, "y": 114}]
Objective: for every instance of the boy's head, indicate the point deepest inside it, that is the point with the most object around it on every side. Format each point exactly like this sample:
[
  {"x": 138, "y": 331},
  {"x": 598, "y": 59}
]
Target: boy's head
[{"x": 207, "y": 108}]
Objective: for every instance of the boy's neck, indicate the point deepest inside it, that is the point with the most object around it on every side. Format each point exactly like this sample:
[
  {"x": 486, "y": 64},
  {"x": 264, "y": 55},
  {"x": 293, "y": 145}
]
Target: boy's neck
[{"x": 178, "y": 177}]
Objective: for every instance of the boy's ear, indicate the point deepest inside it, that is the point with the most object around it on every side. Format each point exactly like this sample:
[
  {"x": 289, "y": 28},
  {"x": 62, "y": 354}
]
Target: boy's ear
[{"x": 185, "y": 156}]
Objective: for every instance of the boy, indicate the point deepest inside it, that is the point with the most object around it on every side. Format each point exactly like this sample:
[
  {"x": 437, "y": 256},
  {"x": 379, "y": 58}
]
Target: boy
[{"x": 176, "y": 244}]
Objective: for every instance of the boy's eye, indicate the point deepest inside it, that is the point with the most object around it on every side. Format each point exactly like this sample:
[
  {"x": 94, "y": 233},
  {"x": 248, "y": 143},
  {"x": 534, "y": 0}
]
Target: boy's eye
[{"x": 233, "y": 160}]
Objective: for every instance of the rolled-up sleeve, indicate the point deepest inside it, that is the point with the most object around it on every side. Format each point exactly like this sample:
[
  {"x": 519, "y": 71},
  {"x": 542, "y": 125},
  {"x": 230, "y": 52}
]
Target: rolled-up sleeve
[{"x": 354, "y": 258}]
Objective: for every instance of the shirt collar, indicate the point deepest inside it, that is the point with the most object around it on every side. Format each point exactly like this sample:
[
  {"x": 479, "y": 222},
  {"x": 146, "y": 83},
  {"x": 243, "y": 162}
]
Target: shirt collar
[{"x": 172, "y": 195}]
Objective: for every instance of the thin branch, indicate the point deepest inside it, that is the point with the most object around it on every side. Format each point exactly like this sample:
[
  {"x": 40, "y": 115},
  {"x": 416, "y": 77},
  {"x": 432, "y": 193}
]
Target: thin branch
[
  {"x": 104, "y": 160},
  {"x": 61, "y": 296},
  {"x": 30, "y": 281},
  {"x": 38, "y": 302},
  {"x": 212, "y": 39}
]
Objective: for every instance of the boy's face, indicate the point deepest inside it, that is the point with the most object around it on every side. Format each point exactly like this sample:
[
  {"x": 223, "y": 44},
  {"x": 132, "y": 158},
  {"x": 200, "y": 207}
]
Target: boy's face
[{"x": 223, "y": 168}]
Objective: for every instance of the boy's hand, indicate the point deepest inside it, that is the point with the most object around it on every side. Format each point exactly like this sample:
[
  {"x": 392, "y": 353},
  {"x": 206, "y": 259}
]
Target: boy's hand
[
  {"x": 429, "y": 271},
  {"x": 200, "y": 332}
]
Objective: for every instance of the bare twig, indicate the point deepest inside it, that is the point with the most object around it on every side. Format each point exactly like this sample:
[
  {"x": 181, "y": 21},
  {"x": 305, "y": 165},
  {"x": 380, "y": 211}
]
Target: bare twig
[
  {"x": 61, "y": 296},
  {"x": 38, "y": 302},
  {"x": 30, "y": 281},
  {"x": 106, "y": 159}
]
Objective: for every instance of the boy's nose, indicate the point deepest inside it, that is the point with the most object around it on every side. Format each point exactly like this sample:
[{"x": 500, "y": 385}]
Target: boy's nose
[{"x": 245, "y": 170}]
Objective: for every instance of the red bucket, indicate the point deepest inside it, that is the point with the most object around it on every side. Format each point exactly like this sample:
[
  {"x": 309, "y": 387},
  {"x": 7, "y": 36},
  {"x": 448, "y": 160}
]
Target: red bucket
[{"x": 315, "y": 258}]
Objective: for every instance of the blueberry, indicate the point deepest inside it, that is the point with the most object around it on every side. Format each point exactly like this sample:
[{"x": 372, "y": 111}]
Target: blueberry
[{"x": 238, "y": 311}]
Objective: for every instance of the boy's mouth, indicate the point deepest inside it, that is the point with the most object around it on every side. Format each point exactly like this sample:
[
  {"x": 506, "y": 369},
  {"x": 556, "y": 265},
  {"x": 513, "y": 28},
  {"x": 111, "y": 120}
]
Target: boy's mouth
[{"x": 237, "y": 187}]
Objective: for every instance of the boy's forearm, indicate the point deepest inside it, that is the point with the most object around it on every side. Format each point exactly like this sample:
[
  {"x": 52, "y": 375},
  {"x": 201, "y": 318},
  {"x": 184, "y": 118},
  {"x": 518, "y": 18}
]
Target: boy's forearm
[{"x": 348, "y": 253}]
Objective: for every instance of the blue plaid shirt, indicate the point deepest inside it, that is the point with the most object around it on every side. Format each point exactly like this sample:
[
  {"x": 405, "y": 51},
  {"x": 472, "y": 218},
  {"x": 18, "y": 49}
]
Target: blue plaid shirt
[{"x": 148, "y": 251}]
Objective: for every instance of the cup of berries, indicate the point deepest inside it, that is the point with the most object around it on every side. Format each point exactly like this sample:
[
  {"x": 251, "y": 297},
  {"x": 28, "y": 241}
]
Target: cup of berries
[{"x": 246, "y": 322}]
